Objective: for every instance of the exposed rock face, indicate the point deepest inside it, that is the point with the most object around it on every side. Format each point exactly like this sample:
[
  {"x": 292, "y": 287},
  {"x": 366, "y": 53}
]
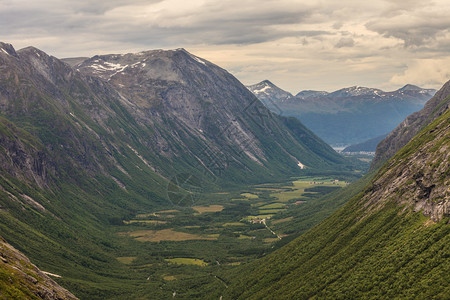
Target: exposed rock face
[
  {"x": 418, "y": 176},
  {"x": 20, "y": 278},
  {"x": 187, "y": 100},
  {"x": 22, "y": 156},
  {"x": 404, "y": 132}
]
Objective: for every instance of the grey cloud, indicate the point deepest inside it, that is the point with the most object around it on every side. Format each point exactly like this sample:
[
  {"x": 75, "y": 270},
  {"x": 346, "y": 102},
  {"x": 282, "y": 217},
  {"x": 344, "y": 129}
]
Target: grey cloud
[
  {"x": 414, "y": 31},
  {"x": 216, "y": 23},
  {"x": 345, "y": 42},
  {"x": 338, "y": 25}
]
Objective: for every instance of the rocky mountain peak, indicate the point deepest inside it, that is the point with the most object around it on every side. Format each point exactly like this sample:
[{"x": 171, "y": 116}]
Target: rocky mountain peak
[
  {"x": 310, "y": 94},
  {"x": 410, "y": 87},
  {"x": 7, "y": 49},
  {"x": 267, "y": 91}
]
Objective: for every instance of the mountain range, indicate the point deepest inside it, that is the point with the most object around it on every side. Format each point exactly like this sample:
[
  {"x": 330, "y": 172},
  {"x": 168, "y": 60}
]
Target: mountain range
[{"x": 346, "y": 116}]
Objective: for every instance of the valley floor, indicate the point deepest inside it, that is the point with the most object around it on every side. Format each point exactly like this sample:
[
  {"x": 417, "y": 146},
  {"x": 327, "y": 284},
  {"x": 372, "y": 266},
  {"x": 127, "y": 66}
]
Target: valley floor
[{"x": 182, "y": 248}]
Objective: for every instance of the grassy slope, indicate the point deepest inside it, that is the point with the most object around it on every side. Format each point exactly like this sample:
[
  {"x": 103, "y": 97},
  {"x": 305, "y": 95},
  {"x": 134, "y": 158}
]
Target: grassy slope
[{"x": 387, "y": 254}]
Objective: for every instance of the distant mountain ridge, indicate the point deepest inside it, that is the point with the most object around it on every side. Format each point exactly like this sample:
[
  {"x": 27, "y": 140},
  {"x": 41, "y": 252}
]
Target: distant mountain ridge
[
  {"x": 367, "y": 146},
  {"x": 349, "y": 115}
]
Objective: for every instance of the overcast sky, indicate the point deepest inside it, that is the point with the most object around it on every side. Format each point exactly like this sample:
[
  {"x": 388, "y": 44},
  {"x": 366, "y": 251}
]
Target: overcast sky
[{"x": 298, "y": 45}]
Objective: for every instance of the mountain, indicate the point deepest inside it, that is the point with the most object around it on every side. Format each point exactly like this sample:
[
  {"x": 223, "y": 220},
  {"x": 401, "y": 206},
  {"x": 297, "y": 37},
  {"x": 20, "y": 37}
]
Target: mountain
[
  {"x": 310, "y": 94},
  {"x": 350, "y": 115},
  {"x": 407, "y": 129},
  {"x": 209, "y": 110},
  {"x": 266, "y": 90},
  {"x": 84, "y": 148},
  {"x": 367, "y": 146},
  {"x": 269, "y": 94},
  {"x": 25, "y": 280},
  {"x": 392, "y": 240}
]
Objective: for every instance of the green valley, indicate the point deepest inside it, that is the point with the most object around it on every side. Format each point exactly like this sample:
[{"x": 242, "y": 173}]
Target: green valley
[{"x": 157, "y": 175}]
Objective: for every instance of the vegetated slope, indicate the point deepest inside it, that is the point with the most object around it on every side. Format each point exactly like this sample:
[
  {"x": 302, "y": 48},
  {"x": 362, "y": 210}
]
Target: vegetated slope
[
  {"x": 415, "y": 122},
  {"x": 390, "y": 241},
  {"x": 79, "y": 153},
  {"x": 69, "y": 165},
  {"x": 20, "y": 279},
  {"x": 350, "y": 115}
]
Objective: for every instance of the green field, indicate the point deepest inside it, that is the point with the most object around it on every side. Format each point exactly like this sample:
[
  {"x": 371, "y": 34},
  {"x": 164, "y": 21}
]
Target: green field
[
  {"x": 273, "y": 206},
  {"x": 127, "y": 259},
  {"x": 249, "y": 195},
  {"x": 187, "y": 261}
]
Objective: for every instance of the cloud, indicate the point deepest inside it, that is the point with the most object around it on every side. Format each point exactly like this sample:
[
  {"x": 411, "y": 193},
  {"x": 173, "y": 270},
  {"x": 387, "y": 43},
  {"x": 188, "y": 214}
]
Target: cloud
[
  {"x": 424, "y": 72},
  {"x": 415, "y": 22},
  {"x": 345, "y": 42},
  {"x": 292, "y": 40}
]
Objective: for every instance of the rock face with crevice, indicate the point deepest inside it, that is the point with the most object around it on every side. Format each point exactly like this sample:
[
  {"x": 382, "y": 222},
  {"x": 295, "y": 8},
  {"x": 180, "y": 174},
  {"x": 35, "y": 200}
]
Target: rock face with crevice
[{"x": 418, "y": 175}]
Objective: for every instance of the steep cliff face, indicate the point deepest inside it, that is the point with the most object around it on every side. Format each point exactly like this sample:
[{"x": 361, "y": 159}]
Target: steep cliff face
[
  {"x": 64, "y": 111},
  {"x": 415, "y": 122},
  {"x": 22, "y": 156},
  {"x": 20, "y": 279}
]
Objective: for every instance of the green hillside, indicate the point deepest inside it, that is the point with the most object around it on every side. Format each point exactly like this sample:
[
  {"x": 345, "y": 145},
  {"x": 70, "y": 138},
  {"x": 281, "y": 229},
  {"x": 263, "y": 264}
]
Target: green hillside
[{"x": 390, "y": 241}]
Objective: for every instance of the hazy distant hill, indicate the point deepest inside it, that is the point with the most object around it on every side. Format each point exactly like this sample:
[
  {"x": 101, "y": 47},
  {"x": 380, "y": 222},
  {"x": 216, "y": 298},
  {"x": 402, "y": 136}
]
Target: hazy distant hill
[
  {"x": 367, "y": 146},
  {"x": 347, "y": 116}
]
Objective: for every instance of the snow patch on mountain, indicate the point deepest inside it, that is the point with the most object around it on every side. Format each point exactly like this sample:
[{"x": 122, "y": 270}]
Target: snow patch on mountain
[
  {"x": 262, "y": 90},
  {"x": 198, "y": 59}
]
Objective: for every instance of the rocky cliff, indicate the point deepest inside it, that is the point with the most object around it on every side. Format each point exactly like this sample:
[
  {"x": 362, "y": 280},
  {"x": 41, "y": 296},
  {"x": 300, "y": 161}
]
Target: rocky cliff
[{"x": 418, "y": 176}]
